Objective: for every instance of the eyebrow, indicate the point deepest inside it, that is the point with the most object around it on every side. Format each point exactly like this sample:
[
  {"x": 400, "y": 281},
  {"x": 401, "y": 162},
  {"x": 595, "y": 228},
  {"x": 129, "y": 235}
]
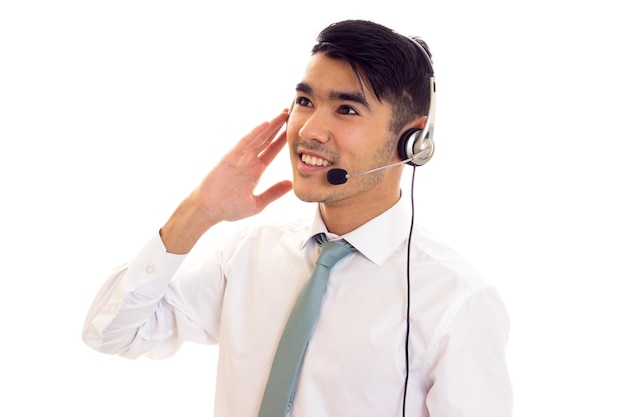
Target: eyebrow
[{"x": 356, "y": 97}]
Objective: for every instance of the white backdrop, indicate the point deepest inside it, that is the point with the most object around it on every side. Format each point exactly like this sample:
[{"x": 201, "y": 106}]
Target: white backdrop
[{"x": 111, "y": 112}]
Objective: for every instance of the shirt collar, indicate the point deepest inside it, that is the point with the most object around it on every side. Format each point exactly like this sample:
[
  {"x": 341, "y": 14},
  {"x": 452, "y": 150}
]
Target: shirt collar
[{"x": 378, "y": 238}]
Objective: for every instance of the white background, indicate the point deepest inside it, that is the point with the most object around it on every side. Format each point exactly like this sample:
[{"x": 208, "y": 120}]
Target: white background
[{"x": 111, "y": 112}]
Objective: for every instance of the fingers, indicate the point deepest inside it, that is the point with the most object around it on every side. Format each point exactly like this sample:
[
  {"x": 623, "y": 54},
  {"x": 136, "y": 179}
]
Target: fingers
[
  {"x": 262, "y": 135},
  {"x": 270, "y": 152},
  {"x": 273, "y": 128}
]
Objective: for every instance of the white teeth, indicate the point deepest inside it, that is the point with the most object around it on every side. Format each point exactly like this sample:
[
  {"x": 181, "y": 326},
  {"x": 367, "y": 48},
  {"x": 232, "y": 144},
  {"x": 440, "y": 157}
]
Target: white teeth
[{"x": 314, "y": 161}]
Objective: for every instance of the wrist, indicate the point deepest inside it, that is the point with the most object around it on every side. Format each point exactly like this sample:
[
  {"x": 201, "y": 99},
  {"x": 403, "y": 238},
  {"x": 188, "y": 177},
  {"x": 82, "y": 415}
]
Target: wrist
[{"x": 185, "y": 227}]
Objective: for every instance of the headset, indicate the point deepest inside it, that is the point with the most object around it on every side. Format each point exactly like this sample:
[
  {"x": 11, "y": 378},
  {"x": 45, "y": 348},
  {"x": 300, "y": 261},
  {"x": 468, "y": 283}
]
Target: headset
[{"x": 416, "y": 146}]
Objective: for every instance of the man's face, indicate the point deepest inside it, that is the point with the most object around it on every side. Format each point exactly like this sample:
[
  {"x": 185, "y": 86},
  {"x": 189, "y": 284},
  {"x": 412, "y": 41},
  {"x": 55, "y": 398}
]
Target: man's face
[{"x": 336, "y": 122}]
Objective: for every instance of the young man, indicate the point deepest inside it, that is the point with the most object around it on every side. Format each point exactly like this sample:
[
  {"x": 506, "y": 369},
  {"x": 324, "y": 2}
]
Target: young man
[{"x": 406, "y": 327}]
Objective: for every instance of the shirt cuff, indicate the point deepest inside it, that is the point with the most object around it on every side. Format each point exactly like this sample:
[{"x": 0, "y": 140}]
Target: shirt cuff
[{"x": 152, "y": 269}]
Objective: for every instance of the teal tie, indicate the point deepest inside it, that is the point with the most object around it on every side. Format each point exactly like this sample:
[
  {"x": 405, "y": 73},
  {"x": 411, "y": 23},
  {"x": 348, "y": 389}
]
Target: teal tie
[{"x": 279, "y": 390}]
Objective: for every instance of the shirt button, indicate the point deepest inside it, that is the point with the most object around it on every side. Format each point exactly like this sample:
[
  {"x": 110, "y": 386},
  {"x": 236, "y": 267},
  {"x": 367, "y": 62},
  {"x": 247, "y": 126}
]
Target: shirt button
[{"x": 149, "y": 269}]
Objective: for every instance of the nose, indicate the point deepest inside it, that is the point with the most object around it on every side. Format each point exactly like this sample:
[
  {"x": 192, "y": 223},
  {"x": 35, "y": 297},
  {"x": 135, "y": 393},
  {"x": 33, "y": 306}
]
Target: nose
[{"x": 315, "y": 126}]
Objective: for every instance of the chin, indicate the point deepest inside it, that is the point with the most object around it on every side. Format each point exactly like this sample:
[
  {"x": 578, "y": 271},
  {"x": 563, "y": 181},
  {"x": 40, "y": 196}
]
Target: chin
[
  {"x": 308, "y": 196},
  {"x": 313, "y": 189},
  {"x": 326, "y": 195}
]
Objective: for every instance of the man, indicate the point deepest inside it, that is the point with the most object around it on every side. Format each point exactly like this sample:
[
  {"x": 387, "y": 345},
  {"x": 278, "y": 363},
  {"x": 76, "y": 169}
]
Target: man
[{"x": 406, "y": 327}]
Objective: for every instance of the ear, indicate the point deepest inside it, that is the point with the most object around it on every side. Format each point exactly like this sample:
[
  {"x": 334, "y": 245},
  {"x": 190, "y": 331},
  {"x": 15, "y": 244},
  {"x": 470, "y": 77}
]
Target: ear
[{"x": 418, "y": 123}]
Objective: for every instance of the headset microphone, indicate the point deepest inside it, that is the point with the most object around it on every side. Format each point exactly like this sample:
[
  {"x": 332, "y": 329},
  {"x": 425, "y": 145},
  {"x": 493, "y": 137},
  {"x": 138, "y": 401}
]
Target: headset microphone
[{"x": 338, "y": 176}]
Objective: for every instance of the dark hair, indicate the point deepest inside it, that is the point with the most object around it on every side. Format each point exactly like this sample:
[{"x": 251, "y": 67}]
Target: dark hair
[{"x": 396, "y": 69}]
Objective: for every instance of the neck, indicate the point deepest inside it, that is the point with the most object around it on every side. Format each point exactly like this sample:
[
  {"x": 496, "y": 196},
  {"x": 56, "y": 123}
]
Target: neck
[{"x": 343, "y": 217}]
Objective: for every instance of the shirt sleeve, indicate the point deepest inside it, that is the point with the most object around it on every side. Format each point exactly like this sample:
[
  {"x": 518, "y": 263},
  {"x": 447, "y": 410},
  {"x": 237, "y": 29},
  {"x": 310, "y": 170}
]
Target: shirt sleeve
[
  {"x": 140, "y": 309},
  {"x": 469, "y": 373}
]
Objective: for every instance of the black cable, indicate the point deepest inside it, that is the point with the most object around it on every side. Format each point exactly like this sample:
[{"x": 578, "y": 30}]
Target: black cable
[{"x": 408, "y": 295}]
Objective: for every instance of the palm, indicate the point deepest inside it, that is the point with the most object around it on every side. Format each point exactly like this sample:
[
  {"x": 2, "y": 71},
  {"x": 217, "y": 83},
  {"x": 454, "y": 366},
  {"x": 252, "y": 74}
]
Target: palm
[{"x": 230, "y": 186}]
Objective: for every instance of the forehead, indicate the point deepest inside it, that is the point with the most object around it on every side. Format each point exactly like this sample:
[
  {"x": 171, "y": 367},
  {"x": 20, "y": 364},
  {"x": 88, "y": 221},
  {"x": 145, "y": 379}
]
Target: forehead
[{"x": 335, "y": 78}]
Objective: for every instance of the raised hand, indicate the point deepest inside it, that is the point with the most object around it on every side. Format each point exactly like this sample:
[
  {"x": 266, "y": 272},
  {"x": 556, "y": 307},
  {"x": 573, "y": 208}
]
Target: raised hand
[{"x": 227, "y": 192}]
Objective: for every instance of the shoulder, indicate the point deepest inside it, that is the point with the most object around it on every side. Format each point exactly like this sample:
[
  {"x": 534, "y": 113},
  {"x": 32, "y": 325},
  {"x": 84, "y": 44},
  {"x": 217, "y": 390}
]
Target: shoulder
[
  {"x": 444, "y": 264},
  {"x": 284, "y": 227},
  {"x": 288, "y": 232}
]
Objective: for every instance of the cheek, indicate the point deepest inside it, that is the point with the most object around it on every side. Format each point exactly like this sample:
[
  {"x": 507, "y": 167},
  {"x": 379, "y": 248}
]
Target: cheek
[
  {"x": 371, "y": 148},
  {"x": 292, "y": 130}
]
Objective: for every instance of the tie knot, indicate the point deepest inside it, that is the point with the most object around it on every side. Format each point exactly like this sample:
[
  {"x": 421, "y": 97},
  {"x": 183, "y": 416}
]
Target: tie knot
[{"x": 333, "y": 251}]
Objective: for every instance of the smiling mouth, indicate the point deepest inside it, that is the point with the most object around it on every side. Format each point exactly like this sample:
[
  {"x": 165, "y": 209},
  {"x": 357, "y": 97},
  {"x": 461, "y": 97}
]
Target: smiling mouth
[{"x": 314, "y": 161}]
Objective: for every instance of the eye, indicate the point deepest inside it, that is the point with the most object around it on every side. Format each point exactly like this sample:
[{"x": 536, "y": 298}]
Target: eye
[
  {"x": 347, "y": 110},
  {"x": 303, "y": 101}
]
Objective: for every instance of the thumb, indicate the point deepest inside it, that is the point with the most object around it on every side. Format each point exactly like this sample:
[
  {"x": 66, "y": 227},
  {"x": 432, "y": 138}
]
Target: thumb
[{"x": 273, "y": 193}]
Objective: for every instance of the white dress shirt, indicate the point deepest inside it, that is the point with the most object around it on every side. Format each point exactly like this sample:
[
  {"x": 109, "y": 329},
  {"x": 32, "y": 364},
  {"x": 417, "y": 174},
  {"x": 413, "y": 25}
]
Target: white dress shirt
[{"x": 240, "y": 296}]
